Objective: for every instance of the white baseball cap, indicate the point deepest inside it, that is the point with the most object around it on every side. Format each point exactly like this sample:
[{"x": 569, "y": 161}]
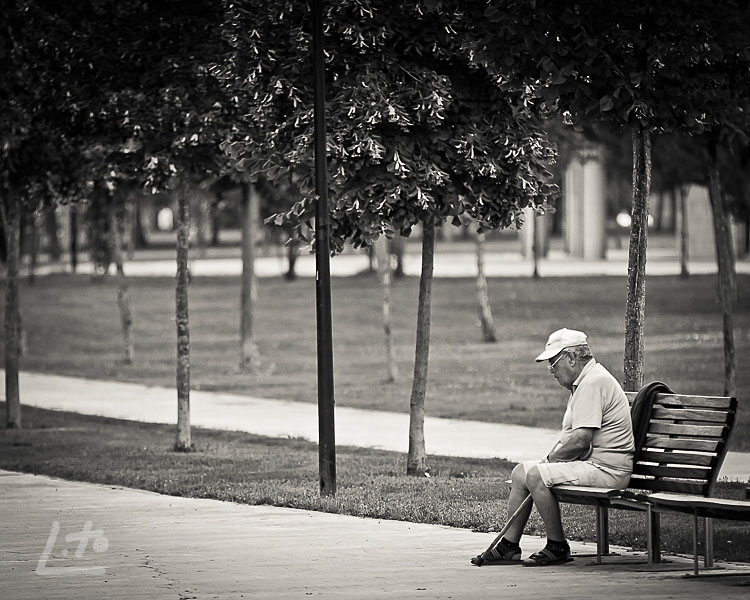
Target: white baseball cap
[{"x": 560, "y": 340}]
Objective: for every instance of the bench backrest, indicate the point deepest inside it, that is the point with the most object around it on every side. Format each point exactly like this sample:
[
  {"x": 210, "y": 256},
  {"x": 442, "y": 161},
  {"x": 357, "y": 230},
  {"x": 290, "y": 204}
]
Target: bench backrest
[{"x": 686, "y": 443}]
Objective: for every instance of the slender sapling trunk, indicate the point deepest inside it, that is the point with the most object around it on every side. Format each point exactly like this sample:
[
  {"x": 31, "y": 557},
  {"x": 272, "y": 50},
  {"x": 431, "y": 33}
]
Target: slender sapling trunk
[
  {"x": 183, "y": 442},
  {"x": 417, "y": 457}
]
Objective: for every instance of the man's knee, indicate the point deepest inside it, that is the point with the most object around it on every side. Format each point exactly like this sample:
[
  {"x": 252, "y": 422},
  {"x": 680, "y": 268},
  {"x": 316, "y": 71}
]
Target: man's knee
[
  {"x": 518, "y": 475},
  {"x": 534, "y": 478}
]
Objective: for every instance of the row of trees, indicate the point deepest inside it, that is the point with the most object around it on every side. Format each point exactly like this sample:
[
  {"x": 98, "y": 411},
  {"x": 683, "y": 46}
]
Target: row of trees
[{"x": 436, "y": 111}]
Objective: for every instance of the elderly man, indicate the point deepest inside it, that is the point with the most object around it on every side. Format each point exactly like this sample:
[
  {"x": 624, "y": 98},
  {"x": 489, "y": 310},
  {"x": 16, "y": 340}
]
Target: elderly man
[{"x": 595, "y": 449}]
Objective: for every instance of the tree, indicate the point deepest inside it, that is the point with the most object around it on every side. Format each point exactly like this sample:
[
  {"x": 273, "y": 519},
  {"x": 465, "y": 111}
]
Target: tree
[
  {"x": 151, "y": 112},
  {"x": 39, "y": 149},
  {"x": 642, "y": 67},
  {"x": 716, "y": 84},
  {"x": 414, "y": 128},
  {"x": 725, "y": 91},
  {"x": 179, "y": 116}
]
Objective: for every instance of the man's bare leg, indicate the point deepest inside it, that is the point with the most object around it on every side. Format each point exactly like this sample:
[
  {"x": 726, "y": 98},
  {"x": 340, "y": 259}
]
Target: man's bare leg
[
  {"x": 518, "y": 493},
  {"x": 546, "y": 504}
]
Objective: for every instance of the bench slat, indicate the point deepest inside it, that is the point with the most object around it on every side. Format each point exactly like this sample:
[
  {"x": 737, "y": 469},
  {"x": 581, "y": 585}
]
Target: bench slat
[
  {"x": 689, "y": 414},
  {"x": 680, "y": 458},
  {"x": 694, "y": 401},
  {"x": 668, "y": 485},
  {"x": 715, "y": 431},
  {"x": 659, "y": 441},
  {"x": 676, "y": 472}
]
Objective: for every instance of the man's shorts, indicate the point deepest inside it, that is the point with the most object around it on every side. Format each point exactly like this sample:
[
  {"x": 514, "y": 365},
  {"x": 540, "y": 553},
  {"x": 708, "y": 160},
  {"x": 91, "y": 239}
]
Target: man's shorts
[{"x": 580, "y": 473}]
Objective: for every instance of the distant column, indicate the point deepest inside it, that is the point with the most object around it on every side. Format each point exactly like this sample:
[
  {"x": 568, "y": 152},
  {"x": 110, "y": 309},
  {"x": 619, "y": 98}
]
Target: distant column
[
  {"x": 527, "y": 233},
  {"x": 700, "y": 224},
  {"x": 536, "y": 229},
  {"x": 701, "y": 244},
  {"x": 585, "y": 216}
]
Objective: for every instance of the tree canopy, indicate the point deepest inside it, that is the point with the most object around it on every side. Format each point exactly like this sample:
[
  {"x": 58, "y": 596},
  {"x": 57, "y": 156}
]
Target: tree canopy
[{"x": 417, "y": 129}]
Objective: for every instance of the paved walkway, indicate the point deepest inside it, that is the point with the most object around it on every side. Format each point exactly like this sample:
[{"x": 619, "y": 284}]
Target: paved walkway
[
  {"x": 63, "y": 540},
  {"x": 503, "y": 263},
  {"x": 283, "y": 418}
]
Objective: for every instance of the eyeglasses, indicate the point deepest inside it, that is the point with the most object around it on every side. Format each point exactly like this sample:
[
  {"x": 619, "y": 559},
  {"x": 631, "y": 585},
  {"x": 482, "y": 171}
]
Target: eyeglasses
[{"x": 551, "y": 368}]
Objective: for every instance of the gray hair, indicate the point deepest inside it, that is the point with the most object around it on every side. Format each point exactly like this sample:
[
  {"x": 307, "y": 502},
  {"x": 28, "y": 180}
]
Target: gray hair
[{"x": 581, "y": 353}]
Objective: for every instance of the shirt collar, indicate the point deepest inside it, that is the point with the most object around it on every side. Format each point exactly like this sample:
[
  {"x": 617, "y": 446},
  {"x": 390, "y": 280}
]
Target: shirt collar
[{"x": 585, "y": 371}]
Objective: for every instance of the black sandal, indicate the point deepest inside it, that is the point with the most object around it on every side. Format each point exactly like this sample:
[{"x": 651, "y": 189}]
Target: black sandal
[
  {"x": 499, "y": 555},
  {"x": 547, "y": 556}
]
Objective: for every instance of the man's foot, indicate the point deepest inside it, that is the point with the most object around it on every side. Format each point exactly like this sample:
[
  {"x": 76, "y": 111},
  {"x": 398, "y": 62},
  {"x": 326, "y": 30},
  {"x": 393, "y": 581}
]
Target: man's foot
[
  {"x": 554, "y": 553},
  {"x": 505, "y": 553}
]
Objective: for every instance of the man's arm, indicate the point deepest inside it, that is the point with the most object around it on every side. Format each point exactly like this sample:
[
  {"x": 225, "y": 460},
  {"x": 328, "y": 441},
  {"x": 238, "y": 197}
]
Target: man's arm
[{"x": 577, "y": 447}]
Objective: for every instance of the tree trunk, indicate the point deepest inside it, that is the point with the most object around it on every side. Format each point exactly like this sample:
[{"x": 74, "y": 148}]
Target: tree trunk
[
  {"x": 124, "y": 301},
  {"x": 138, "y": 235},
  {"x": 249, "y": 354},
  {"x": 215, "y": 217},
  {"x": 635, "y": 311},
  {"x": 51, "y": 226},
  {"x": 130, "y": 219},
  {"x": 12, "y": 220},
  {"x": 183, "y": 442},
  {"x": 292, "y": 251},
  {"x": 384, "y": 271},
  {"x": 200, "y": 214},
  {"x": 34, "y": 243},
  {"x": 398, "y": 248},
  {"x": 536, "y": 246},
  {"x": 657, "y": 211},
  {"x": 683, "y": 232},
  {"x": 3, "y": 234},
  {"x": 672, "y": 221},
  {"x": 73, "y": 240},
  {"x": 417, "y": 458},
  {"x": 485, "y": 308},
  {"x": 727, "y": 277}
]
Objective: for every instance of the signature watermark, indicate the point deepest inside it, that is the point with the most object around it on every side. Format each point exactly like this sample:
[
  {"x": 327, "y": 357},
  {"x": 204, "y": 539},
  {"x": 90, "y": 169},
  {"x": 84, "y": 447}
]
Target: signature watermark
[{"x": 79, "y": 542}]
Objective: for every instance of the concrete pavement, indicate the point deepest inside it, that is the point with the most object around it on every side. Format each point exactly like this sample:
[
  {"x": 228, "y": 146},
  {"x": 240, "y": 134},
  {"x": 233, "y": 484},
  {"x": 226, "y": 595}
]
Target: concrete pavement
[
  {"x": 283, "y": 418},
  {"x": 62, "y": 540}
]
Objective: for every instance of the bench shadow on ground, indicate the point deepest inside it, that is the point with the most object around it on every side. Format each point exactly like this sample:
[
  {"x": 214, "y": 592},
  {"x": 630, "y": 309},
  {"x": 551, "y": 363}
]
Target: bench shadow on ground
[{"x": 669, "y": 567}]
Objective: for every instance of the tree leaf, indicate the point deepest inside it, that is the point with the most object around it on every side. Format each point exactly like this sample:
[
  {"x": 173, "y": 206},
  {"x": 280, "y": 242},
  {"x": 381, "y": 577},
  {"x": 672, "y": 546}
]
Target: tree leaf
[{"x": 606, "y": 103}]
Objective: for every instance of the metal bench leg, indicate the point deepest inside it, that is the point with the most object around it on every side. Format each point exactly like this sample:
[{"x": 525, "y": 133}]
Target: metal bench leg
[
  {"x": 656, "y": 535},
  {"x": 653, "y": 536},
  {"x": 708, "y": 551},
  {"x": 602, "y": 533},
  {"x": 649, "y": 535},
  {"x": 695, "y": 545}
]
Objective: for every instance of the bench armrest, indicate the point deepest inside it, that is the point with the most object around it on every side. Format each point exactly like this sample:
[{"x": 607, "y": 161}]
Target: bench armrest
[{"x": 715, "y": 508}]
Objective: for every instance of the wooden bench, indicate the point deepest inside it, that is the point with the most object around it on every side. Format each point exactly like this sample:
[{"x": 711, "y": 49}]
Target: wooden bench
[{"x": 675, "y": 472}]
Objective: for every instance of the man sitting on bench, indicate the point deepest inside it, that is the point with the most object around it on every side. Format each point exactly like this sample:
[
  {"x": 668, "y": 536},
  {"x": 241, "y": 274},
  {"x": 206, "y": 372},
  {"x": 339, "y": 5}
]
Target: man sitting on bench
[{"x": 595, "y": 449}]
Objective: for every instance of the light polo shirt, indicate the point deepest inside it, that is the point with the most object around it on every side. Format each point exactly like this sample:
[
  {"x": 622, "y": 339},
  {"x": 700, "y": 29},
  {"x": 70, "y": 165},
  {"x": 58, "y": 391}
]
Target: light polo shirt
[{"x": 599, "y": 402}]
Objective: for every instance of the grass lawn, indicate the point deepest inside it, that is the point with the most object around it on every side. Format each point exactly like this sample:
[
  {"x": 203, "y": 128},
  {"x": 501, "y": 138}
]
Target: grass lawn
[
  {"x": 244, "y": 468},
  {"x": 72, "y": 327}
]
